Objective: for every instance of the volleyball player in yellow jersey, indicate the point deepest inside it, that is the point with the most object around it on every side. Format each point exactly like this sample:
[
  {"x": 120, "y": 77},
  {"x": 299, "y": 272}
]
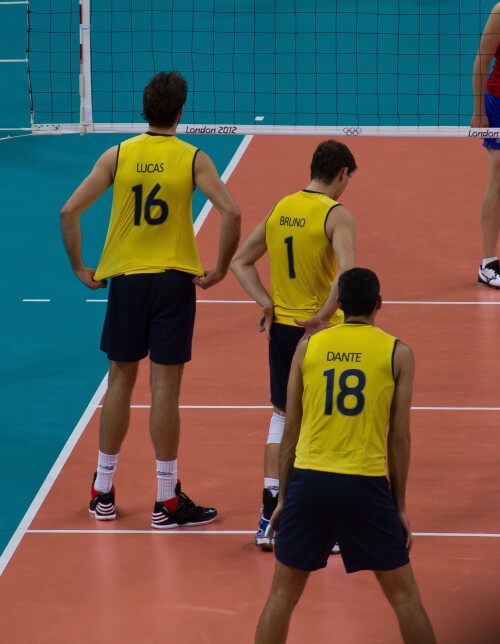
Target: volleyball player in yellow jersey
[
  {"x": 150, "y": 255},
  {"x": 346, "y": 384},
  {"x": 310, "y": 240}
]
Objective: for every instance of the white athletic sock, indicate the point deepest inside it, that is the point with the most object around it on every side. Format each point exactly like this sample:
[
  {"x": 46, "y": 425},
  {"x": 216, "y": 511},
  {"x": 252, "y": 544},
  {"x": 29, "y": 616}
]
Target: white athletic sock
[
  {"x": 488, "y": 260},
  {"x": 272, "y": 484},
  {"x": 106, "y": 466},
  {"x": 166, "y": 471}
]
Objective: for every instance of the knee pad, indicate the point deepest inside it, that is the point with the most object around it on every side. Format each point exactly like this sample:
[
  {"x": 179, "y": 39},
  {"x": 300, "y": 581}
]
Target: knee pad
[{"x": 276, "y": 428}]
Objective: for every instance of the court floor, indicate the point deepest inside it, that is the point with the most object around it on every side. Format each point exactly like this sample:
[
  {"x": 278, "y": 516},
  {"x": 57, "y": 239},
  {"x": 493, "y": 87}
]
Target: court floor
[{"x": 68, "y": 578}]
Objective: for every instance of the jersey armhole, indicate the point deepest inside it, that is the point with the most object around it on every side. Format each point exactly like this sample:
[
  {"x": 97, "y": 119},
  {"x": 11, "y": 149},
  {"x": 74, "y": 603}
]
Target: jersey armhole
[
  {"x": 392, "y": 358},
  {"x": 192, "y": 167},
  {"x": 326, "y": 219},
  {"x": 268, "y": 218},
  {"x": 116, "y": 164}
]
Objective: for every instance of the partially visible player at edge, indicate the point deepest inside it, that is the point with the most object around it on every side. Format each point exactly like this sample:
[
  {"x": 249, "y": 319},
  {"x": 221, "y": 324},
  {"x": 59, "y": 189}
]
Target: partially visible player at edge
[
  {"x": 310, "y": 240},
  {"x": 486, "y": 88},
  {"x": 151, "y": 257},
  {"x": 346, "y": 384}
]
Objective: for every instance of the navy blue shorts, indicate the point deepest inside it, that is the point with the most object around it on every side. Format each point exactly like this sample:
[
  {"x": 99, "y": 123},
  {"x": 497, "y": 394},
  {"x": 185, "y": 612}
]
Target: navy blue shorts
[
  {"x": 358, "y": 512},
  {"x": 492, "y": 111},
  {"x": 284, "y": 341},
  {"x": 150, "y": 313}
]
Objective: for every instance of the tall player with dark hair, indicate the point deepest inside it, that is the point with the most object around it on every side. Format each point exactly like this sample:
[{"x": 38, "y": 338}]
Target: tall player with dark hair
[
  {"x": 150, "y": 256},
  {"x": 347, "y": 383},
  {"x": 309, "y": 236}
]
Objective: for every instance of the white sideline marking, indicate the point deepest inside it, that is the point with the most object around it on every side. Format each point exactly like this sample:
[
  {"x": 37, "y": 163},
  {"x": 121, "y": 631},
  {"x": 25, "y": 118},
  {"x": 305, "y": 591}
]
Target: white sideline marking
[
  {"x": 52, "y": 475},
  {"x": 228, "y": 172},
  {"x": 384, "y": 302},
  {"x": 36, "y": 300},
  {"x": 270, "y": 407},
  {"x": 492, "y": 535},
  {"x": 92, "y": 406}
]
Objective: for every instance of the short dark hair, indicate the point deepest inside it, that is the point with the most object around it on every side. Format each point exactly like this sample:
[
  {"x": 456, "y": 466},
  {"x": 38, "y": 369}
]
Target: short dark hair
[
  {"x": 164, "y": 97},
  {"x": 328, "y": 160},
  {"x": 359, "y": 289}
]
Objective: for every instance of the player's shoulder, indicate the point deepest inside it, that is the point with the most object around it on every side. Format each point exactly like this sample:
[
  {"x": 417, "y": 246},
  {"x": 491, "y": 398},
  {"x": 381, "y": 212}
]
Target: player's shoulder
[
  {"x": 133, "y": 139},
  {"x": 184, "y": 144}
]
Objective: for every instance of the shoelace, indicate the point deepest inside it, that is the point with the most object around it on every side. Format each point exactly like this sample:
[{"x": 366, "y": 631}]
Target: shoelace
[{"x": 187, "y": 500}]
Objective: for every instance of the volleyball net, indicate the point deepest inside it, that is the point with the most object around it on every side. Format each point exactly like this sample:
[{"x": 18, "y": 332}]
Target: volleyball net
[{"x": 289, "y": 66}]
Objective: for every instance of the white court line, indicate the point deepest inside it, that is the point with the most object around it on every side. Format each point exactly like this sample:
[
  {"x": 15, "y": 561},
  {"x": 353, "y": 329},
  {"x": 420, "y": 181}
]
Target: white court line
[
  {"x": 270, "y": 407},
  {"x": 384, "y": 302},
  {"x": 87, "y": 415},
  {"x": 492, "y": 535},
  {"x": 200, "y": 220},
  {"x": 52, "y": 475},
  {"x": 36, "y": 300}
]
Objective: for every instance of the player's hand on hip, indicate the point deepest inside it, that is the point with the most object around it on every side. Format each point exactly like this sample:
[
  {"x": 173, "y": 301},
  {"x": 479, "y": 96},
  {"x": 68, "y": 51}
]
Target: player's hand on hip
[
  {"x": 265, "y": 321},
  {"x": 212, "y": 276},
  {"x": 405, "y": 524},
  {"x": 86, "y": 275},
  {"x": 311, "y": 326}
]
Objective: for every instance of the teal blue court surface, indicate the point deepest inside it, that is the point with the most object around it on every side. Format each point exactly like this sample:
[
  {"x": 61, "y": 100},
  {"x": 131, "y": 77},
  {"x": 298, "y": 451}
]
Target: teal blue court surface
[{"x": 49, "y": 334}]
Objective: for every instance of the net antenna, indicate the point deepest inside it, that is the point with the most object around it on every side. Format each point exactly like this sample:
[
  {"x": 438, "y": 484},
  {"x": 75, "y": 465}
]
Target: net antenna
[{"x": 85, "y": 79}]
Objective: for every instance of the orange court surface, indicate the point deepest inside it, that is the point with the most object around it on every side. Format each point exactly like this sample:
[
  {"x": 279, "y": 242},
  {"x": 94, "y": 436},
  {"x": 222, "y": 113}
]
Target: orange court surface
[{"x": 73, "y": 580}]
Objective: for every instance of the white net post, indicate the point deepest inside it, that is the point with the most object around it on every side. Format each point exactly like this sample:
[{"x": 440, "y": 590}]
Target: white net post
[
  {"x": 86, "y": 121},
  {"x": 21, "y": 60}
]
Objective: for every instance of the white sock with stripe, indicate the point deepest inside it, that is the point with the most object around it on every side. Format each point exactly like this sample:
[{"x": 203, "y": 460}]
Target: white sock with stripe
[
  {"x": 166, "y": 471},
  {"x": 106, "y": 466},
  {"x": 273, "y": 485}
]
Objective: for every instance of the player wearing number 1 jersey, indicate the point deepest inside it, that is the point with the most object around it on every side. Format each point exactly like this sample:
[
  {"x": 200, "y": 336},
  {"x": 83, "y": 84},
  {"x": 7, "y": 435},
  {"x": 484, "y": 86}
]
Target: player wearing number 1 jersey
[
  {"x": 309, "y": 236},
  {"x": 151, "y": 259},
  {"x": 347, "y": 383}
]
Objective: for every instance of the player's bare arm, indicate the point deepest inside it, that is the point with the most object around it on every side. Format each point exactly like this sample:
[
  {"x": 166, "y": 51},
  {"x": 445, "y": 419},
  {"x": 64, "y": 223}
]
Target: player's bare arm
[
  {"x": 293, "y": 420},
  {"x": 97, "y": 182},
  {"x": 398, "y": 437},
  {"x": 488, "y": 45},
  {"x": 243, "y": 267},
  {"x": 341, "y": 230},
  {"x": 208, "y": 181}
]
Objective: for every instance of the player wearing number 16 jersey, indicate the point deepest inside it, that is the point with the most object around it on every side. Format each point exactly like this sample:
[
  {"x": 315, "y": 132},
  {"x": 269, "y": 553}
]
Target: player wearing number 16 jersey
[
  {"x": 151, "y": 258},
  {"x": 309, "y": 236}
]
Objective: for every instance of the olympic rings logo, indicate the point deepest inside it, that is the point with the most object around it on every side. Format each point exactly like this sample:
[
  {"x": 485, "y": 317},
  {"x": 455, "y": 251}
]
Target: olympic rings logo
[{"x": 352, "y": 131}]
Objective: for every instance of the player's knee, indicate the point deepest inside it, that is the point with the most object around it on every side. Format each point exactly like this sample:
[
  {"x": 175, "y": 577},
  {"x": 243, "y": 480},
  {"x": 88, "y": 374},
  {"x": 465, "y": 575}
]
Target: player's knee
[
  {"x": 276, "y": 428},
  {"x": 404, "y": 596}
]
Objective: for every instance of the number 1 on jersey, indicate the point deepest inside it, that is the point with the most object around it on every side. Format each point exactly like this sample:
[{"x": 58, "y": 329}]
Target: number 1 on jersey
[{"x": 291, "y": 265}]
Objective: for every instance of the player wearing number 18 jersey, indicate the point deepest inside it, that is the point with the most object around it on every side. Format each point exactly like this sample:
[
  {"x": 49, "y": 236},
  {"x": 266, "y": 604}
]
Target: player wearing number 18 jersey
[
  {"x": 150, "y": 255},
  {"x": 346, "y": 385},
  {"x": 309, "y": 236},
  {"x": 349, "y": 385}
]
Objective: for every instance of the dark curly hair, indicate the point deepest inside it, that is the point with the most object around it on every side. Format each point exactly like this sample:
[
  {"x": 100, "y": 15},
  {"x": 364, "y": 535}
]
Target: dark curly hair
[
  {"x": 359, "y": 289},
  {"x": 164, "y": 97},
  {"x": 328, "y": 160}
]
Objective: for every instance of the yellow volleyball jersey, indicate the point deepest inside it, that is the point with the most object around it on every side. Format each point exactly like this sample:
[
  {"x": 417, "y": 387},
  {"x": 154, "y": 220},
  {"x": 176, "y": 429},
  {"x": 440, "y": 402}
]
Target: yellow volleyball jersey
[
  {"x": 348, "y": 389},
  {"x": 303, "y": 264},
  {"x": 151, "y": 225}
]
